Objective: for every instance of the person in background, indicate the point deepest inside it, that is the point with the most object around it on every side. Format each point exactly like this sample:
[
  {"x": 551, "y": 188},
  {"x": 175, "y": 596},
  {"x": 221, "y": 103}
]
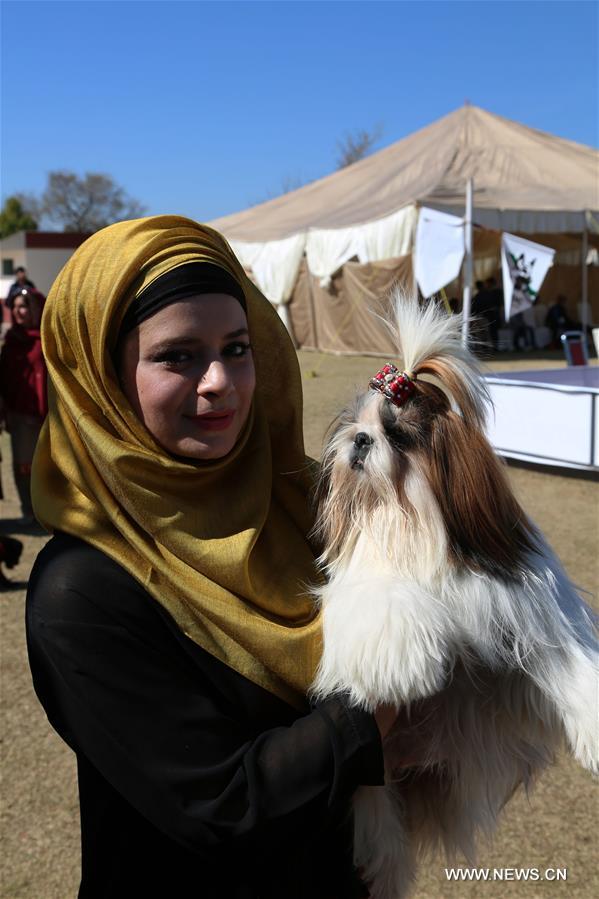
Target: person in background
[
  {"x": 23, "y": 388},
  {"x": 496, "y": 291},
  {"x": 557, "y": 319},
  {"x": 523, "y": 324},
  {"x": 10, "y": 547},
  {"x": 486, "y": 304},
  {"x": 10, "y": 553},
  {"x": 21, "y": 282},
  {"x": 478, "y": 296}
]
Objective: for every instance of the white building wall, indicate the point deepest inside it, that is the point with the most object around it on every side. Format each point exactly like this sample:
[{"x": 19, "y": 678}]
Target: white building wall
[
  {"x": 12, "y": 247},
  {"x": 44, "y": 265}
]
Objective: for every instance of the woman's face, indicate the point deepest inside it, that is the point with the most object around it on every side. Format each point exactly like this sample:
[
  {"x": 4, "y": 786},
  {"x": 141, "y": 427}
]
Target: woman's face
[
  {"x": 21, "y": 312},
  {"x": 189, "y": 375}
]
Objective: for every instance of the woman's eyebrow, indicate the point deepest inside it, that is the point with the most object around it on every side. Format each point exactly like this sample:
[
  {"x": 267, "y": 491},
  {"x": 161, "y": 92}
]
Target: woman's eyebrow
[
  {"x": 237, "y": 333},
  {"x": 167, "y": 342}
]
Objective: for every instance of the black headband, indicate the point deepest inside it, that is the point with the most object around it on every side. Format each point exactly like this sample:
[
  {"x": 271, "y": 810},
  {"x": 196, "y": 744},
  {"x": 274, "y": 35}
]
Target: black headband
[{"x": 185, "y": 281}]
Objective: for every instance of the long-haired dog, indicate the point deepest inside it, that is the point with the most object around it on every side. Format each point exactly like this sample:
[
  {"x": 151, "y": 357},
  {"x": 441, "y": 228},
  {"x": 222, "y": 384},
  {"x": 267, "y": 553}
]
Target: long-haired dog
[{"x": 438, "y": 585}]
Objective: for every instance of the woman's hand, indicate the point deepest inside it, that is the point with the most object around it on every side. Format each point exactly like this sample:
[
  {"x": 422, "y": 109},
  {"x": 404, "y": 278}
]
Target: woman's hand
[
  {"x": 410, "y": 738},
  {"x": 385, "y": 717}
]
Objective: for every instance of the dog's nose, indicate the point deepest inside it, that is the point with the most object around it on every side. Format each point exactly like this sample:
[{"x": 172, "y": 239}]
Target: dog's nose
[
  {"x": 363, "y": 440},
  {"x": 360, "y": 449}
]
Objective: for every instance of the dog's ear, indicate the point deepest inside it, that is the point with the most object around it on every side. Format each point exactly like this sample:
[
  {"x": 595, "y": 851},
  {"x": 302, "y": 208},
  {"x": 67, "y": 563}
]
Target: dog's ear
[
  {"x": 461, "y": 386},
  {"x": 321, "y": 488},
  {"x": 487, "y": 528},
  {"x": 326, "y": 530}
]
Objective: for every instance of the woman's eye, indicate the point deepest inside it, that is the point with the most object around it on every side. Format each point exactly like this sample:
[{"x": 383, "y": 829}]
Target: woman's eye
[
  {"x": 172, "y": 357},
  {"x": 237, "y": 349}
]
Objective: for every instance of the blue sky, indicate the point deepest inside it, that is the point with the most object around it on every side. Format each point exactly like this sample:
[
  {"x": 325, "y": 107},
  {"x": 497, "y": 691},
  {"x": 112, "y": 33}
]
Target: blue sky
[{"x": 203, "y": 108}]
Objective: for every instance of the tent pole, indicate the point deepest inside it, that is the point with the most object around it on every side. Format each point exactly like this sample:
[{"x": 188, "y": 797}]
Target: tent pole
[
  {"x": 584, "y": 312},
  {"x": 466, "y": 302},
  {"x": 310, "y": 278},
  {"x": 283, "y": 310}
]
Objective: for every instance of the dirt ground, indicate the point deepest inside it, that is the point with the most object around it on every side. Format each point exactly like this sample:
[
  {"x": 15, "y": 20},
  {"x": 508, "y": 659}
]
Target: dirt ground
[{"x": 555, "y": 828}]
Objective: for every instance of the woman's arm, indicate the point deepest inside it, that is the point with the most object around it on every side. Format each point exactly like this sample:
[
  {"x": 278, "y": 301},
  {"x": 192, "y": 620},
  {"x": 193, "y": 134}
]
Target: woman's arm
[{"x": 120, "y": 690}]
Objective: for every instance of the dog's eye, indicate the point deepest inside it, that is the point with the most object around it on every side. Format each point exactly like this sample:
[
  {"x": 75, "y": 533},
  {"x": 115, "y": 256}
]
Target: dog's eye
[
  {"x": 388, "y": 417},
  {"x": 390, "y": 421},
  {"x": 401, "y": 436}
]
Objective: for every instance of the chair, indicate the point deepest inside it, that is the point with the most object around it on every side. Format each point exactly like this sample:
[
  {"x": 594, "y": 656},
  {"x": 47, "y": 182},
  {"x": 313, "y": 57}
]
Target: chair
[{"x": 575, "y": 347}]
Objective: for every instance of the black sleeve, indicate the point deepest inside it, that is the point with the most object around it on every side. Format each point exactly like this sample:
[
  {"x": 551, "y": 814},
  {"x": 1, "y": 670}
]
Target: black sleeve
[{"x": 120, "y": 690}]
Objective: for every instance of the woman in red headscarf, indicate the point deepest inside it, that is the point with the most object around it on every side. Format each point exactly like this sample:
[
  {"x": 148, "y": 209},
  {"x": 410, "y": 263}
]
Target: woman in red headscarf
[{"x": 23, "y": 381}]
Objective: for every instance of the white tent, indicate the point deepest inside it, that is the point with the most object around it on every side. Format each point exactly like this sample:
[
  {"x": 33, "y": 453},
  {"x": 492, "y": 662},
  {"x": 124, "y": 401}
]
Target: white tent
[{"x": 525, "y": 181}]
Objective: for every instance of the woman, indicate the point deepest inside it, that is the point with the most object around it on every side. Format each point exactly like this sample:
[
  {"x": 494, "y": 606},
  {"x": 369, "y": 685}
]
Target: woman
[
  {"x": 23, "y": 388},
  {"x": 171, "y": 636}
]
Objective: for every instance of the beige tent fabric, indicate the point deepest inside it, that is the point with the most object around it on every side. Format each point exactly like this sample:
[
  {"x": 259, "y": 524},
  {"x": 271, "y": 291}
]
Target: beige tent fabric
[
  {"x": 525, "y": 182},
  {"x": 560, "y": 279},
  {"x": 301, "y": 311},
  {"x": 487, "y": 254},
  {"x": 487, "y": 242},
  {"x": 342, "y": 318},
  {"x": 369, "y": 286},
  {"x": 339, "y": 319},
  {"x": 517, "y": 171}
]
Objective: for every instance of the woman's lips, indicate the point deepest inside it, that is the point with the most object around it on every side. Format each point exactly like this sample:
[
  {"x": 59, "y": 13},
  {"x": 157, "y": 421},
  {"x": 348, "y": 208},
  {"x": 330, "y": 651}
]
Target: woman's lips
[{"x": 214, "y": 421}]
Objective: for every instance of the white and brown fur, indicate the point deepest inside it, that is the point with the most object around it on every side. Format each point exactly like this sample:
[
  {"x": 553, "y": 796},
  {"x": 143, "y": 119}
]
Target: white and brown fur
[{"x": 438, "y": 585}]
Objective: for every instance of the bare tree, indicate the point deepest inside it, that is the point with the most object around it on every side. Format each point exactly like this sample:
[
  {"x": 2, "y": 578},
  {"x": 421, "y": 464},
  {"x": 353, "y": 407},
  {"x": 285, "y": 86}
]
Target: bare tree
[
  {"x": 287, "y": 184},
  {"x": 357, "y": 144},
  {"x": 86, "y": 203},
  {"x": 353, "y": 146},
  {"x": 291, "y": 182}
]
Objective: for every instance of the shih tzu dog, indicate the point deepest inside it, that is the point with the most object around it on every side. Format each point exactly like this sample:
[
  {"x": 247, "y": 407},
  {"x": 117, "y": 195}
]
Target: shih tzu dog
[{"x": 443, "y": 598}]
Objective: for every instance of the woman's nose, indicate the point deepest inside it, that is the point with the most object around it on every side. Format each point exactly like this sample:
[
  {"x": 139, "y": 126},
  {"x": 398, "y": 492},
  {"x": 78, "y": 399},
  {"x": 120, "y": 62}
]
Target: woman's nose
[{"x": 215, "y": 379}]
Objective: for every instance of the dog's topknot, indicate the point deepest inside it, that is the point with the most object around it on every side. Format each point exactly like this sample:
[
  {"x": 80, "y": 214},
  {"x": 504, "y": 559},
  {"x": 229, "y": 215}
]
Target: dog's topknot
[{"x": 429, "y": 341}]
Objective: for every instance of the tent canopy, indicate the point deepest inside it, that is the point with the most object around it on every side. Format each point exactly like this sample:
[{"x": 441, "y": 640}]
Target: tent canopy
[{"x": 524, "y": 180}]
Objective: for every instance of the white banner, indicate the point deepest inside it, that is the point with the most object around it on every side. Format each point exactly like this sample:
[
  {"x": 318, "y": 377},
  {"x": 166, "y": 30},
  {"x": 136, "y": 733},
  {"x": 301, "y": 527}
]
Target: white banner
[
  {"x": 439, "y": 250},
  {"x": 524, "y": 265}
]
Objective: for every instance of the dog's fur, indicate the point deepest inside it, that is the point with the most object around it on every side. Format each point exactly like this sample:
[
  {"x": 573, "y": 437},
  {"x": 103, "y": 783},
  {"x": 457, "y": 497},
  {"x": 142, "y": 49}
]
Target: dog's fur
[{"x": 439, "y": 586}]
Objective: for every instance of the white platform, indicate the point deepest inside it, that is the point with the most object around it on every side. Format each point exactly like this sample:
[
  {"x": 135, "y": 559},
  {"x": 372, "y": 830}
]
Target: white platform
[{"x": 550, "y": 417}]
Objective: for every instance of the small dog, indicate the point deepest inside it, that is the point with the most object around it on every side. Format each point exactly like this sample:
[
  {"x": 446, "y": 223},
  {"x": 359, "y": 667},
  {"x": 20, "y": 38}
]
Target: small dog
[{"x": 438, "y": 585}]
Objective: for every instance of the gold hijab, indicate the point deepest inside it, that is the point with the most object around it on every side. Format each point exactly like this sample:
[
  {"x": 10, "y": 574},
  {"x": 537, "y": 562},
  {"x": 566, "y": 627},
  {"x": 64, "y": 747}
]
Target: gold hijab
[{"x": 220, "y": 544}]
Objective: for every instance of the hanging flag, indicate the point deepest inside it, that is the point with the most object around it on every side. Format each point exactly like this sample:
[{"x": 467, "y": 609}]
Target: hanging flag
[
  {"x": 524, "y": 265},
  {"x": 439, "y": 250}
]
